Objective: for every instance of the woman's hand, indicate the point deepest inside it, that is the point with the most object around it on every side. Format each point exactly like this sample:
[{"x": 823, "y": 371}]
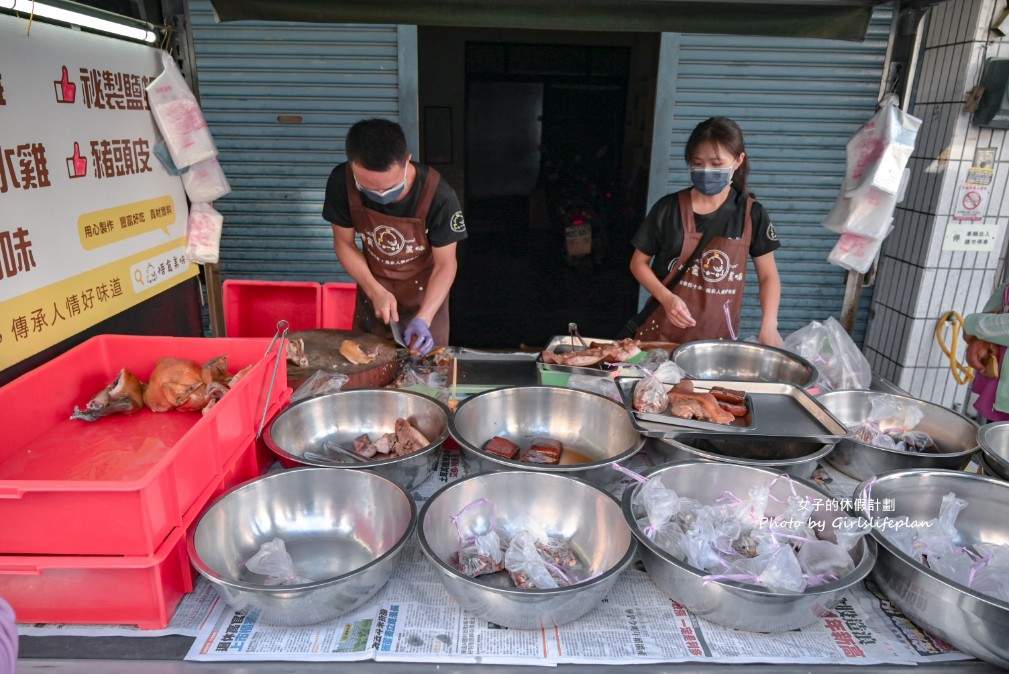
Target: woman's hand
[
  {"x": 770, "y": 337},
  {"x": 677, "y": 312},
  {"x": 978, "y": 352}
]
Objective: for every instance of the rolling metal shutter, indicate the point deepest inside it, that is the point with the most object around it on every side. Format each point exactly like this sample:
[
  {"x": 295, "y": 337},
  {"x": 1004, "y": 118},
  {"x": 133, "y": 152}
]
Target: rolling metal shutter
[
  {"x": 798, "y": 102},
  {"x": 279, "y": 98}
]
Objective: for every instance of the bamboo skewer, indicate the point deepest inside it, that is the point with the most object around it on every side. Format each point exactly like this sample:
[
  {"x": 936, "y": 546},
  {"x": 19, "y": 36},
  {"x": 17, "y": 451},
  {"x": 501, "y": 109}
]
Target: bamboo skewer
[{"x": 453, "y": 401}]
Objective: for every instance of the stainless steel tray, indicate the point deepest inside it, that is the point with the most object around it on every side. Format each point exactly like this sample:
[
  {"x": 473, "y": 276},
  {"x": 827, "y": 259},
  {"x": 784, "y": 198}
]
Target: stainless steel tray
[
  {"x": 566, "y": 344},
  {"x": 775, "y": 411}
]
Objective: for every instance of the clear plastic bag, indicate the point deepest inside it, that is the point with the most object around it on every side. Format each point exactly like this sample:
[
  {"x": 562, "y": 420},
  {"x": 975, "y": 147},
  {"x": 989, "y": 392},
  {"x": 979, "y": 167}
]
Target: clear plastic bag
[
  {"x": 650, "y": 395},
  {"x": 203, "y": 234},
  {"x": 273, "y": 561},
  {"x": 481, "y": 550},
  {"x": 179, "y": 117},
  {"x": 891, "y": 425},
  {"x": 838, "y": 360},
  {"x": 601, "y": 385},
  {"x": 526, "y": 565},
  {"x": 318, "y": 383},
  {"x": 855, "y": 252},
  {"x": 205, "y": 181},
  {"x": 880, "y": 149}
]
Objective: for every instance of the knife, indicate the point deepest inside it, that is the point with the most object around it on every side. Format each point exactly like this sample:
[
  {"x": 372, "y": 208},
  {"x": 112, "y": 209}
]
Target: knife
[{"x": 397, "y": 334}]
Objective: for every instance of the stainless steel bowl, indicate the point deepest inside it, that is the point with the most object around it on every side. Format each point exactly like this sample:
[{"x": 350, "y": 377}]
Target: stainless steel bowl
[
  {"x": 994, "y": 442},
  {"x": 307, "y": 425},
  {"x": 795, "y": 457},
  {"x": 984, "y": 467},
  {"x": 586, "y": 517},
  {"x": 953, "y": 433},
  {"x": 721, "y": 359},
  {"x": 585, "y": 422},
  {"x": 973, "y": 622},
  {"x": 344, "y": 529},
  {"x": 732, "y": 604}
]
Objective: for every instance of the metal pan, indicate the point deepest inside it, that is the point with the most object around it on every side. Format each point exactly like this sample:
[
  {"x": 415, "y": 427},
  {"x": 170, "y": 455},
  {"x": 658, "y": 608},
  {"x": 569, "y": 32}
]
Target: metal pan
[{"x": 777, "y": 411}]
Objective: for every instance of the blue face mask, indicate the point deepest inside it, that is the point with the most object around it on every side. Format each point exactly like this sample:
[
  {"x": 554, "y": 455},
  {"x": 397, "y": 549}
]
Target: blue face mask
[
  {"x": 385, "y": 196},
  {"x": 710, "y": 181}
]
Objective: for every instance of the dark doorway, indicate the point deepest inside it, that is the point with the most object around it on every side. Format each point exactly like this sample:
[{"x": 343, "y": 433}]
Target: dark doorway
[{"x": 544, "y": 163}]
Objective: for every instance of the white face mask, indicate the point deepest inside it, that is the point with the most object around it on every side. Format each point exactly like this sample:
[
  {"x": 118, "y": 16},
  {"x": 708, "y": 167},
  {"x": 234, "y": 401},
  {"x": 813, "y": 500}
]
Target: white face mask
[{"x": 385, "y": 196}]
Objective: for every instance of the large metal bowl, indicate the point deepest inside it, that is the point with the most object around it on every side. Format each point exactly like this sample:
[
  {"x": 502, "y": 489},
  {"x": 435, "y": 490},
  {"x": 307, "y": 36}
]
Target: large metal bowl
[
  {"x": 795, "y": 457},
  {"x": 720, "y": 359},
  {"x": 729, "y": 603},
  {"x": 586, "y": 517},
  {"x": 585, "y": 422},
  {"x": 344, "y": 529},
  {"x": 974, "y": 623},
  {"x": 953, "y": 433},
  {"x": 307, "y": 425},
  {"x": 994, "y": 442}
]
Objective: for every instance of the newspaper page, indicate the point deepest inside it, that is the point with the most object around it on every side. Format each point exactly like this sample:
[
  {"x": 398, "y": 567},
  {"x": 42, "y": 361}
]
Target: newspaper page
[{"x": 414, "y": 619}]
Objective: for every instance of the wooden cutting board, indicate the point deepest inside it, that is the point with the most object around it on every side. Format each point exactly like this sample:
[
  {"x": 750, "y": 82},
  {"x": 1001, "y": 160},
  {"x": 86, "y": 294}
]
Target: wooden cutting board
[{"x": 322, "y": 349}]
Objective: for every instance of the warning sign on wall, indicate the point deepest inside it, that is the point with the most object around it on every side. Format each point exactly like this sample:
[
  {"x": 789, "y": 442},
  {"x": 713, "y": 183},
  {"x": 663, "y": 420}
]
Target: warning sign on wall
[{"x": 972, "y": 197}]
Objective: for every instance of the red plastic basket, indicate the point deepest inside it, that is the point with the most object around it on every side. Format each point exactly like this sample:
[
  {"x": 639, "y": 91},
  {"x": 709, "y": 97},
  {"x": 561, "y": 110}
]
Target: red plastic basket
[
  {"x": 253, "y": 308},
  {"x": 338, "y": 305},
  {"x": 122, "y": 484}
]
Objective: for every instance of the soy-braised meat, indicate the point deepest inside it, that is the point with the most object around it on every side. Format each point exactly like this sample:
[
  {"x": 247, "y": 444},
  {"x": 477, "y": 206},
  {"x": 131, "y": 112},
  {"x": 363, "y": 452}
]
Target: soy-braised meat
[{"x": 686, "y": 403}]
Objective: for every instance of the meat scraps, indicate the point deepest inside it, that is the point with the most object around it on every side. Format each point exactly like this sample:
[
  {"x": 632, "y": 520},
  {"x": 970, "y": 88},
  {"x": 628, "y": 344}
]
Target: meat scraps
[
  {"x": 405, "y": 439},
  {"x": 686, "y": 403}
]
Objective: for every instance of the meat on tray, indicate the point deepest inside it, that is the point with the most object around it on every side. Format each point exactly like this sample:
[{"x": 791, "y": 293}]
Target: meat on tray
[
  {"x": 685, "y": 403},
  {"x": 544, "y": 451},
  {"x": 615, "y": 352},
  {"x": 502, "y": 447}
]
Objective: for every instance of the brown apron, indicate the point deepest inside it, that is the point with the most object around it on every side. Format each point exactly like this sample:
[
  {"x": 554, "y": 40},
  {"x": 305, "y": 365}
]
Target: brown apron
[
  {"x": 400, "y": 258},
  {"x": 712, "y": 288}
]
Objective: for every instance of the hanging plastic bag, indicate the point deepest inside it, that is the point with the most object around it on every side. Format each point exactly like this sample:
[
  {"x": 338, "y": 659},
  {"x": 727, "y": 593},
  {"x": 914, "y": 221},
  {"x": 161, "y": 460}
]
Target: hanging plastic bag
[
  {"x": 203, "y": 234},
  {"x": 205, "y": 181},
  {"x": 869, "y": 214},
  {"x": 273, "y": 561},
  {"x": 880, "y": 149},
  {"x": 179, "y": 116},
  {"x": 855, "y": 252},
  {"x": 839, "y": 362}
]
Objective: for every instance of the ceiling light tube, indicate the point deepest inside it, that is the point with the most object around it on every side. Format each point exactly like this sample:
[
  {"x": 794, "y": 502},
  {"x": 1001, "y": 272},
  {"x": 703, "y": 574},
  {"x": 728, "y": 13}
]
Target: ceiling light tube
[{"x": 40, "y": 9}]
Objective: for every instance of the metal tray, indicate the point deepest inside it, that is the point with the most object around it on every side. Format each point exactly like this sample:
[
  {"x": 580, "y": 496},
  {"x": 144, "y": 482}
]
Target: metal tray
[
  {"x": 775, "y": 411},
  {"x": 566, "y": 344}
]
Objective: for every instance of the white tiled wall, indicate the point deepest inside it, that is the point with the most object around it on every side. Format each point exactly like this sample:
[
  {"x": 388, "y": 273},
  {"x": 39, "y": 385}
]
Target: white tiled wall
[{"x": 917, "y": 281}]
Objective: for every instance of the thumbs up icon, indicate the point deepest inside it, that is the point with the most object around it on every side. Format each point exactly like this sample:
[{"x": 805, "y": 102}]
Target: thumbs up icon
[
  {"x": 66, "y": 91},
  {"x": 77, "y": 166}
]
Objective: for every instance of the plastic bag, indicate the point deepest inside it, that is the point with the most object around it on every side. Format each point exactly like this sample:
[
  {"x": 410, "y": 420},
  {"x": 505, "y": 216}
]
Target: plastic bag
[
  {"x": 203, "y": 234},
  {"x": 527, "y": 567},
  {"x": 273, "y": 561},
  {"x": 650, "y": 395},
  {"x": 205, "y": 181},
  {"x": 855, "y": 252},
  {"x": 869, "y": 214},
  {"x": 601, "y": 385},
  {"x": 880, "y": 149},
  {"x": 320, "y": 382},
  {"x": 839, "y": 362},
  {"x": 891, "y": 425},
  {"x": 179, "y": 117},
  {"x": 481, "y": 549}
]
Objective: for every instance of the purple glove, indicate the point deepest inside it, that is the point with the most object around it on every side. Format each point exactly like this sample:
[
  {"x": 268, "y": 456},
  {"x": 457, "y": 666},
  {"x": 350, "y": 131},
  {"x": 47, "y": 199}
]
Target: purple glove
[
  {"x": 419, "y": 329},
  {"x": 8, "y": 638}
]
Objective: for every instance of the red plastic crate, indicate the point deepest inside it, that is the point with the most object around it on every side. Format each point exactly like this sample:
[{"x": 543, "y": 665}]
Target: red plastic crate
[
  {"x": 338, "y": 305},
  {"x": 253, "y": 308},
  {"x": 104, "y": 590},
  {"x": 122, "y": 484}
]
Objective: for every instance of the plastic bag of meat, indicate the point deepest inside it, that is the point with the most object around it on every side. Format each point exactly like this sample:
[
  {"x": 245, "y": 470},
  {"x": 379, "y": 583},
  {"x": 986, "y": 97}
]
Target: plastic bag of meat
[
  {"x": 273, "y": 561},
  {"x": 527, "y": 567},
  {"x": 481, "y": 550},
  {"x": 650, "y": 395}
]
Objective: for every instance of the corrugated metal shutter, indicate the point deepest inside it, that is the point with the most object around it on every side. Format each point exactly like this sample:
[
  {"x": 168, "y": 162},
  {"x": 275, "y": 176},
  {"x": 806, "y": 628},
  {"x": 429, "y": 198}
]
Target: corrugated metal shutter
[
  {"x": 256, "y": 78},
  {"x": 798, "y": 102}
]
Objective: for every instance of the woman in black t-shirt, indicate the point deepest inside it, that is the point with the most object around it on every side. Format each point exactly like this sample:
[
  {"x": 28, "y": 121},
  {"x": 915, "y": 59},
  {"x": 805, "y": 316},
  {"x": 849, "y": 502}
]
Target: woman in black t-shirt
[{"x": 719, "y": 213}]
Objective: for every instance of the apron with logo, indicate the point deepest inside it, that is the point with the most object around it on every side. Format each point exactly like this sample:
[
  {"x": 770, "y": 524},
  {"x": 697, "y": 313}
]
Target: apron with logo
[
  {"x": 712, "y": 288},
  {"x": 400, "y": 258},
  {"x": 986, "y": 387}
]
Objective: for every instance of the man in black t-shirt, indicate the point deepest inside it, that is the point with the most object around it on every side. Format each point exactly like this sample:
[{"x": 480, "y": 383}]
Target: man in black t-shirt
[{"x": 409, "y": 221}]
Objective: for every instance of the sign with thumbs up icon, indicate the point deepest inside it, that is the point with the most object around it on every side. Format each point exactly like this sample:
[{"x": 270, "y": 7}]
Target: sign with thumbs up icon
[
  {"x": 78, "y": 97},
  {"x": 66, "y": 91}
]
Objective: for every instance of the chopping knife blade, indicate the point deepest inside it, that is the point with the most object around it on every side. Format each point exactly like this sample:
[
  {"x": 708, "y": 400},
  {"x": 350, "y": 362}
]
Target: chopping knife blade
[{"x": 397, "y": 334}]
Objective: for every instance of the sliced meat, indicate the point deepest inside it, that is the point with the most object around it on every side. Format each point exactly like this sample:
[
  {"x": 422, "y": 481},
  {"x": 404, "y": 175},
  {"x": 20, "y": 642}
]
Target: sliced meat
[
  {"x": 728, "y": 395},
  {"x": 696, "y": 405},
  {"x": 364, "y": 446},
  {"x": 407, "y": 438},
  {"x": 502, "y": 447},
  {"x": 384, "y": 444},
  {"x": 544, "y": 451},
  {"x": 732, "y": 408},
  {"x": 353, "y": 352}
]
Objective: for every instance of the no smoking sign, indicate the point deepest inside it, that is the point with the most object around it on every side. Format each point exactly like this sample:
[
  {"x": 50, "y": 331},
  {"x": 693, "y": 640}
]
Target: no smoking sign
[{"x": 972, "y": 202}]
